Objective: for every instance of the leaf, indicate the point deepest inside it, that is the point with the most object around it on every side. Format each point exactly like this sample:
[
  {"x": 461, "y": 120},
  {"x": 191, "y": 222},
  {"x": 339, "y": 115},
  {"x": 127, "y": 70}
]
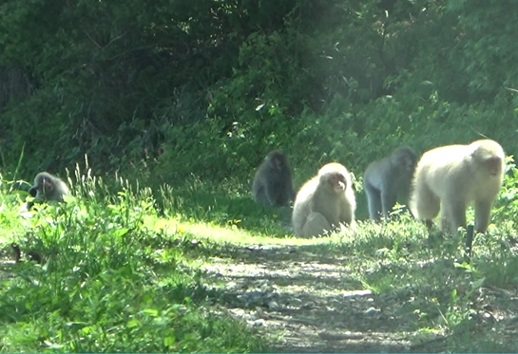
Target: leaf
[
  {"x": 133, "y": 323},
  {"x": 169, "y": 341},
  {"x": 151, "y": 312}
]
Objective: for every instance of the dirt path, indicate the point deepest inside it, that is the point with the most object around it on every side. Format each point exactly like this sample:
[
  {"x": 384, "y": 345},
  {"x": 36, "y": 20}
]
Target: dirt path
[
  {"x": 309, "y": 303},
  {"x": 305, "y": 300}
]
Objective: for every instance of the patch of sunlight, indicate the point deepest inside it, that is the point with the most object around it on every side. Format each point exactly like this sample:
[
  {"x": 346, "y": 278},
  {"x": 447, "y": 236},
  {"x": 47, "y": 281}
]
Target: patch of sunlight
[{"x": 231, "y": 233}]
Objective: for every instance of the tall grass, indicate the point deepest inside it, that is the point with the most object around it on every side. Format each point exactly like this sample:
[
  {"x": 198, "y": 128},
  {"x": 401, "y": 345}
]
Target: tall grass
[{"x": 108, "y": 281}]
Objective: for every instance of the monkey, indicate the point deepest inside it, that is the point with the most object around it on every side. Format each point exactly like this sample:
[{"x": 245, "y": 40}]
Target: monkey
[
  {"x": 325, "y": 203},
  {"x": 48, "y": 187},
  {"x": 273, "y": 183},
  {"x": 451, "y": 177},
  {"x": 387, "y": 179}
]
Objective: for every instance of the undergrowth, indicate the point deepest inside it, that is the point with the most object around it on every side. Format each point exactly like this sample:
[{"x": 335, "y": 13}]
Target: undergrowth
[
  {"x": 109, "y": 280},
  {"x": 120, "y": 268}
]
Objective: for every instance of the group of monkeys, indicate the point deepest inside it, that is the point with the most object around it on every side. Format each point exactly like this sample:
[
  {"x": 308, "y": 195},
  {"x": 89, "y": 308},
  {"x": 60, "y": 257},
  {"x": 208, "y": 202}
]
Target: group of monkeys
[{"x": 447, "y": 179}]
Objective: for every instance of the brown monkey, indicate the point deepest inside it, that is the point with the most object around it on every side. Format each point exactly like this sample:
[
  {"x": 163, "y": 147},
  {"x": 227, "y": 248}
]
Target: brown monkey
[
  {"x": 273, "y": 183},
  {"x": 386, "y": 179},
  {"x": 325, "y": 202},
  {"x": 48, "y": 187},
  {"x": 452, "y": 177}
]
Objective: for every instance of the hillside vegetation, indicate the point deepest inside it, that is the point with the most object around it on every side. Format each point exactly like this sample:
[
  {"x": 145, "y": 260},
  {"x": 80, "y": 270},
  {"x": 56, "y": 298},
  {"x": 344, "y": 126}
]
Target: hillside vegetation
[{"x": 157, "y": 113}]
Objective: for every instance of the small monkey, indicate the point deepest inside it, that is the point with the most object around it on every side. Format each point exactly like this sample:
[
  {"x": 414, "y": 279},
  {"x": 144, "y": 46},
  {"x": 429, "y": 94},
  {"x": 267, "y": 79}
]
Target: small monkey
[
  {"x": 449, "y": 178},
  {"x": 48, "y": 187},
  {"x": 324, "y": 203},
  {"x": 273, "y": 183},
  {"x": 387, "y": 179}
]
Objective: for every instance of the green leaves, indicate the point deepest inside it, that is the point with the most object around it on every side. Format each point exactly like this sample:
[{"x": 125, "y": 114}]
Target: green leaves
[{"x": 109, "y": 280}]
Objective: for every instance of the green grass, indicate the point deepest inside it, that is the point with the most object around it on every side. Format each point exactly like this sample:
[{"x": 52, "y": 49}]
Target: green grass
[
  {"x": 121, "y": 270},
  {"x": 112, "y": 280}
]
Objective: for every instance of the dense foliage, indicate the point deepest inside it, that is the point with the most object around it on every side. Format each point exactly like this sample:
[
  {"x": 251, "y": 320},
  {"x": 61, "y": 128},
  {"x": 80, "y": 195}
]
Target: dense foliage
[
  {"x": 175, "y": 88},
  {"x": 194, "y": 94}
]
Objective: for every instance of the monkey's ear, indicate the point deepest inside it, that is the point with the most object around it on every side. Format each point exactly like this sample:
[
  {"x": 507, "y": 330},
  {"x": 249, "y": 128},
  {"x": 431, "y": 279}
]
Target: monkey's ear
[{"x": 473, "y": 148}]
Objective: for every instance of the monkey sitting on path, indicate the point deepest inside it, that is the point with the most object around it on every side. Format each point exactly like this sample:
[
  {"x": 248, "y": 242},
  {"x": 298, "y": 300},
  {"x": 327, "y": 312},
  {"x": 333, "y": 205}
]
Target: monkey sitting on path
[{"x": 325, "y": 203}]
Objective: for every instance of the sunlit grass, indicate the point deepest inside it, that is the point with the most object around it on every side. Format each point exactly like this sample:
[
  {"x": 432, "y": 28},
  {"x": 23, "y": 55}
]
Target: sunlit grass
[
  {"x": 113, "y": 278},
  {"x": 128, "y": 263}
]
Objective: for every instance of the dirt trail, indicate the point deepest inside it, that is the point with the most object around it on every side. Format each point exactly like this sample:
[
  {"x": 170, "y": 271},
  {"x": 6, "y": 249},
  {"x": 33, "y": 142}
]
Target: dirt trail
[
  {"x": 301, "y": 299},
  {"x": 306, "y": 301}
]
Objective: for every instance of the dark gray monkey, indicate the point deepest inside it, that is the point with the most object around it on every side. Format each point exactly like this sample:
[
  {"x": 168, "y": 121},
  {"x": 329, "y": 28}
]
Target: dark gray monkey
[
  {"x": 386, "y": 179},
  {"x": 48, "y": 187},
  {"x": 273, "y": 183}
]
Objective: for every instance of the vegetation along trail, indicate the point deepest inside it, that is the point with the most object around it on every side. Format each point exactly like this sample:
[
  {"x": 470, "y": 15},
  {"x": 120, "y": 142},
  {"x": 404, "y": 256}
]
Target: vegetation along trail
[
  {"x": 309, "y": 298},
  {"x": 166, "y": 168},
  {"x": 181, "y": 284}
]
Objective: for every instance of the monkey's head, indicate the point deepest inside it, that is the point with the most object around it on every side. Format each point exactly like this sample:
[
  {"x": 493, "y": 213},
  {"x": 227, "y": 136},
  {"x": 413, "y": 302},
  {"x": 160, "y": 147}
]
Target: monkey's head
[
  {"x": 490, "y": 154},
  {"x": 405, "y": 157},
  {"x": 277, "y": 160},
  {"x": 43, "y": 186},
  {"x": 335, "y": 176}
]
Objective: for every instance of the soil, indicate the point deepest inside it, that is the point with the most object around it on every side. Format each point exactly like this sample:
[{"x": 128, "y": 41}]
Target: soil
[{"x": 299, "y": 300}]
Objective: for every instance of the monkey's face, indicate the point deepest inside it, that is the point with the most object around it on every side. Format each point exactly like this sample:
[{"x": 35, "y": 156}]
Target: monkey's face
[
  {"x": 277, "y": 163},
  {"x": 494, "y": 166},
  {"x": 337, "y": 182},
  {"x": 33, "y": 191},
  {"x": 489, "y": 155},
  {"x": 43, "y": 188},
  {"x": 407, "y": 160},
  {"x": 485, "y": 149},
  {"x": 409, "y": 163},
  {"x": 404, "y": 159}
]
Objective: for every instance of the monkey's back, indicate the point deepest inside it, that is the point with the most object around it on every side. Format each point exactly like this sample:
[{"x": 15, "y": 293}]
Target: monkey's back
[
  {"x": 440, "y": 164},
  {"x": 303, "y": 204},
  {"x": 452, "y": 169}
]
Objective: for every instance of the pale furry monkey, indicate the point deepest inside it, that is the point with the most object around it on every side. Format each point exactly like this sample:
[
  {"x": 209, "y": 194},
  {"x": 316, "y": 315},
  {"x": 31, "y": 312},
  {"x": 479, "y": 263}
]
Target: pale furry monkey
[
  {"x": 387, "y": 179},
  {"x": 449, "y": 178},
  {"x": 273, "y": 183},
  {"x": 48, "y": 187},
  {"x": 325, "y": 203}
]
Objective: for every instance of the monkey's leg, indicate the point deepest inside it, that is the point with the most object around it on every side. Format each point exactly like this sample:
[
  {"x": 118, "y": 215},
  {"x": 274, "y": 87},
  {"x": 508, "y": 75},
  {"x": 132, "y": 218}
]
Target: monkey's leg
[
  {"x": 262, "y": 198},
  {"x": 424, "y": 204},
  {"x": 427, "y": 205},
  {"x": 374, "y": 203},
  {"x": 388, "y": 200},
  {"x": 316, "y": 225},
  {"x": 454, "y": 216},
  {"x": 275, "y": 194},
  {"x": 482, "y": 215}
]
